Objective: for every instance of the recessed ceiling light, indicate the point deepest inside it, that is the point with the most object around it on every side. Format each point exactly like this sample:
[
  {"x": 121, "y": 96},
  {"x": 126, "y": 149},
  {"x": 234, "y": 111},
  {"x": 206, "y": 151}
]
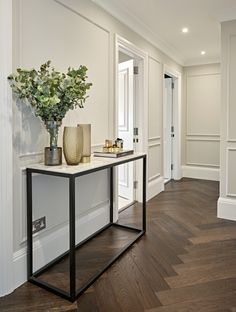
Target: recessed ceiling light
[
  {"x": 185, "y": 30},
  {"x": 203, "y": 52}
]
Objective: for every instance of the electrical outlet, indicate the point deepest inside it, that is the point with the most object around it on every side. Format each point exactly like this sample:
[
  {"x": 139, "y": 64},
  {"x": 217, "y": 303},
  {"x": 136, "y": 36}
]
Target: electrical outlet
[{"x": 38, "y": 225}]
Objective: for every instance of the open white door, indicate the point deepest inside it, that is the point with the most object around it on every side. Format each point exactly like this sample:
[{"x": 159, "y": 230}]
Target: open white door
[
  {"x": 125, "y": 128},
  {"x": 167, "y": 117}
]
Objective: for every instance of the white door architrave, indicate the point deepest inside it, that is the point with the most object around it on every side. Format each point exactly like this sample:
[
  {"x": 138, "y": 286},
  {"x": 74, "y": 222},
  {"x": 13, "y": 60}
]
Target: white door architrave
[
  {"x": 131, "y": 49},
  {"x": 125, "y": 126},
  {"x": 176, "y": 153},
  {"x": 6, "y": 155}
]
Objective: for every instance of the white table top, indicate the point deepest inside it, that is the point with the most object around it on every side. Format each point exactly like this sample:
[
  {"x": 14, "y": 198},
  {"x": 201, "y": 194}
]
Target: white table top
[{"x": 96, "y": 163}]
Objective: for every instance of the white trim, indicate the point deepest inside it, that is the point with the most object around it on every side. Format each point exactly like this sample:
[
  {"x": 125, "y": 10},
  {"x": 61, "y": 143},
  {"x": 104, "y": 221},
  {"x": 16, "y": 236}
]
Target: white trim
[
  {"x": 228, "y": 89},
  {"x": 33, "y": 154},
  {"x": 228, "y": 149},
  {"x": 177, "y": 111},
  {"x": 155, "y": 186},
  {"x": 208, "y": 61},
  {"x": 124, "y": 15},
  {"x": 70, "y": 8},
  {"x": 6, "y": 158},
  {"x": 143, "y": 109},
  {"x": 154, "y": 59},
  {"x": 154, "y": 144},
  {"x": 202, "y": 135},
  {"x": 203, "y": 139},
  {"x": 201, "y": 75},
  {"x": 154, "y": 138},
  {"x": 201, "y": 172},
  {"x": 132, "y": 49},
  {"x": 227, "y": 14},
  {"x": 226, "y": 208},
  {"x": 154, "y": 177},
  {"x": 189, "y": 163}
]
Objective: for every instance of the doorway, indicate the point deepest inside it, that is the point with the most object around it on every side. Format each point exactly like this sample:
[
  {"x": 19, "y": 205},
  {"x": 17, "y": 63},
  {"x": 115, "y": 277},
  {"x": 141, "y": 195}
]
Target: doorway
[
  {"x": 126, "y": 122},
  {"x": 168, "y": 127},
  {"x": 131, "y": 117},
  {"x": 172, "y": 84}
]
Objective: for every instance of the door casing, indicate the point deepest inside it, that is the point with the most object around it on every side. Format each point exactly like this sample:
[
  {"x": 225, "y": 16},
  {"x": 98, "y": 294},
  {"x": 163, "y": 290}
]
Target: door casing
[
  {"x": 176, "y": 153},
  {"x": 121, "y": 44}
]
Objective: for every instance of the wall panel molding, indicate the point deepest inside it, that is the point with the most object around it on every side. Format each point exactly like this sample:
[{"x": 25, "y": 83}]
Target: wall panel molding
[
  {"x": 202, "y": 75},
  {"x": 154, "y": 144},
  {"x": 203, "y": 152},
  {"x": 156, "y": 176},
  {"x": 229, "y": 171},
  {"x": 230, "y": 68},
  {"x": 202, "y": 165},
  {"x": 66, "y": 6},
  {"x": 202, "y": 139},
  {"x": 202, "y": 135},
  {"x": 154, "y": 138}
]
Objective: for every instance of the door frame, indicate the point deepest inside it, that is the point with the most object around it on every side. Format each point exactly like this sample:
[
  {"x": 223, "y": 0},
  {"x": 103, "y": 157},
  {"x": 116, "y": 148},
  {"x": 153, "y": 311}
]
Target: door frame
[
  {"x": 122, "y": 44},
  {"x": 166, "y": 130},
  {"x": 176, "y": 76},
  {"x": 7, "y": 277}
]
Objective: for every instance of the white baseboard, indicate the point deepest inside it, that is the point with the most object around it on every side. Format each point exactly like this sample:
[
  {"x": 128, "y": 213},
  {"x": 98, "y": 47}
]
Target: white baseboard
[
  {"x": 57, "y": 242},
  {"x": 226, "y": 208},
  {"x": 197, "y": 172},
  {"x": 155, "y": 187}
]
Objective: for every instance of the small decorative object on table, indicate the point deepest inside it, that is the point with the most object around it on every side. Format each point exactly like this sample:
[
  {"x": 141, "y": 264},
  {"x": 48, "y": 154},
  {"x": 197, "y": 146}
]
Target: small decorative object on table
[
  {"x": 119, "y": 143},
  {"x": 113, "y": 150},
  {"x": 51, "y": 94}
]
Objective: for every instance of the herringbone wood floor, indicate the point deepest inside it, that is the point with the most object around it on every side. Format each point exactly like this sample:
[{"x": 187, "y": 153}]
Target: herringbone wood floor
[{"x": 186, "y": 262}]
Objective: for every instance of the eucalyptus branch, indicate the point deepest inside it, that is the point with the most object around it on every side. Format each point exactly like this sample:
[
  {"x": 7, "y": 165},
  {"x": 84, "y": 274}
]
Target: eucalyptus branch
[{"x": 51, "y": 93}]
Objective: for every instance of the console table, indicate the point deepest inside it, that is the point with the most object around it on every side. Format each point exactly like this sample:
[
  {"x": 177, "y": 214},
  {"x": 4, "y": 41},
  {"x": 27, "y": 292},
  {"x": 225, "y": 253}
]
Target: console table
[{"x": 73, "y": 172}]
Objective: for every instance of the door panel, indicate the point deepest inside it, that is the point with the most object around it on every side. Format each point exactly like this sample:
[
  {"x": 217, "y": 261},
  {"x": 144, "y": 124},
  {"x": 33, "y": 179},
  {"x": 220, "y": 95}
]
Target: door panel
[
  {"x": 125, "y": 126},
  {"x": 167, "y": 117}
]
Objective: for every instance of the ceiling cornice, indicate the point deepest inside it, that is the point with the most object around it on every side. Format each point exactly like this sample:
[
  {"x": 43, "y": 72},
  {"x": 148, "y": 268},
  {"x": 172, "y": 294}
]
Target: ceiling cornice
[
  {"x": 206, "y": 61},
  {"x": 225, "y": 15},
  {"x": 130, "y": 20}
]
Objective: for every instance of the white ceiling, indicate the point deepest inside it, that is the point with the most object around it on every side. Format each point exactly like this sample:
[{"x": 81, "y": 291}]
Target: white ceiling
[{"x": 161, "y": 21}]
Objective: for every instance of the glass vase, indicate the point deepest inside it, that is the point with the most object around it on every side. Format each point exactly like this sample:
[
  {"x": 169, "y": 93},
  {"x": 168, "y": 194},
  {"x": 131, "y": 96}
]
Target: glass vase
[
  {"x": 73, "y": 144},
  {"x": 53, "y": 153},
  {"x": 86, "y": 155}
]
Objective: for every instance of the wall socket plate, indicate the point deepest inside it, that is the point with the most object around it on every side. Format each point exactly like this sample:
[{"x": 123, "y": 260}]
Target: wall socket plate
[{"x": 38, "y": 225}]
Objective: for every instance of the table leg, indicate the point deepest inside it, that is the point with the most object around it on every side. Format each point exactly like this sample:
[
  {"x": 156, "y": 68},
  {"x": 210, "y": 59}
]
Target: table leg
[
  {"x": 111, "y": 194},
  {"x": 144, "y": 191},
  {"x": 29, "y": 225},
  {"x": 72, "y": 236}
]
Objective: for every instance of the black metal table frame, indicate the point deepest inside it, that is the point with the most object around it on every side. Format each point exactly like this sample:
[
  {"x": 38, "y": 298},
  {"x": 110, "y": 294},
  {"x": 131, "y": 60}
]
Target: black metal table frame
[{"x": 73, "y": 293}]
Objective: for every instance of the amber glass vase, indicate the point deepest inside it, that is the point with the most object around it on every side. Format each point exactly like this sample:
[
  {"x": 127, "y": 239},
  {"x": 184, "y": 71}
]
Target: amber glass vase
[{"x": 73, "y": 144}]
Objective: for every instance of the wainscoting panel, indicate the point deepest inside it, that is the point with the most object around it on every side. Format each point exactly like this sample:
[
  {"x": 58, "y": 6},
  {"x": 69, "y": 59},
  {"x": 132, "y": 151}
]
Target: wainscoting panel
[
  {"x": 154, "y": 161},
  {"x": 203, "y": 152},
  {"x": 203, "y": 104},
  {"x": 231, "y": 172},
  {"x": 231, "y": 90}
]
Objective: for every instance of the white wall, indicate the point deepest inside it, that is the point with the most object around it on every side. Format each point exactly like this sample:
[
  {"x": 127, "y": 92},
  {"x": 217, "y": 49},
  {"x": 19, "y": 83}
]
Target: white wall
[
  {"x": 227, "y": 200},
  {"x": 71, "y": 33},
  {"x": 202, "y": 122}
]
